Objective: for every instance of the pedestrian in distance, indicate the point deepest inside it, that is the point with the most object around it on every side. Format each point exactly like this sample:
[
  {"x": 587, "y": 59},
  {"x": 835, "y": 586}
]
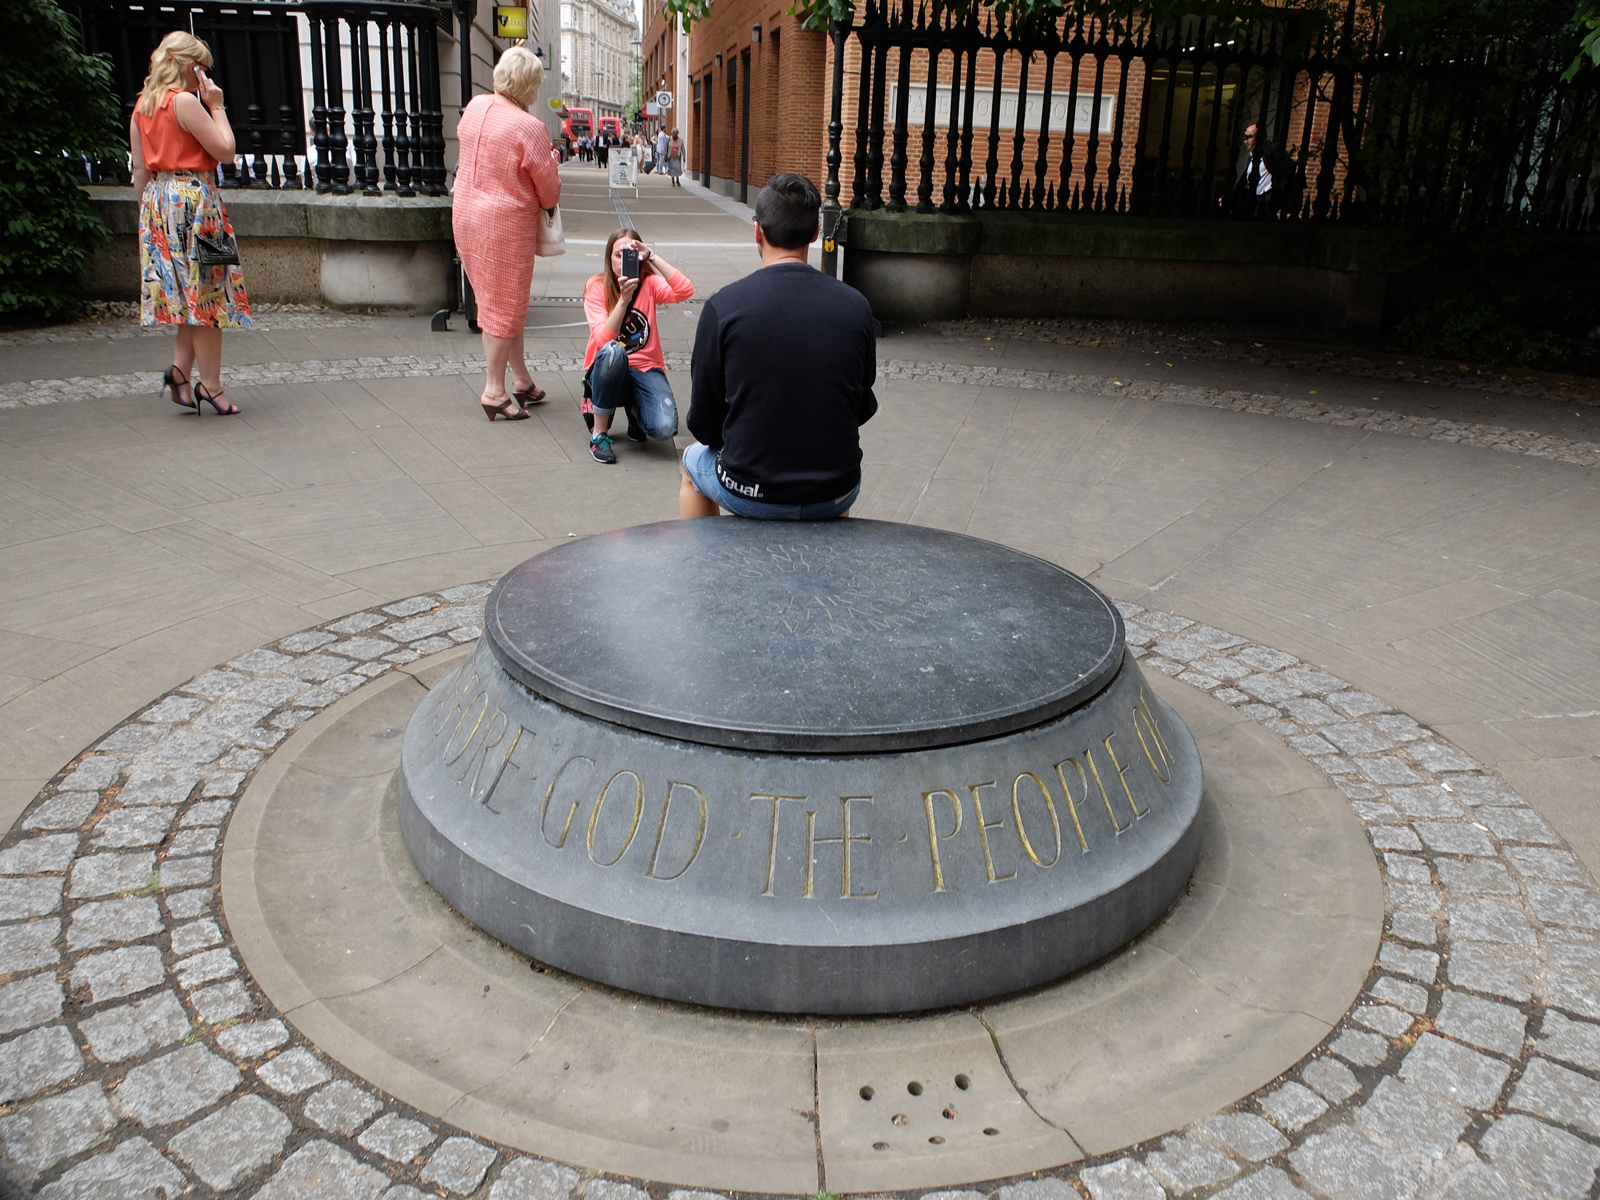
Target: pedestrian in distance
[
  {"x": 623, "y": 364},
  {"x": 602, "y": 152},
  {"x": 778, "y": 400},
  {"x": 662, "y": 143},
  {"x": 508, "y": 173},
  {"x": 178, "y": 133},
  {"x": 675, "y": 159},
  {"x": 1254, "y": 192}
]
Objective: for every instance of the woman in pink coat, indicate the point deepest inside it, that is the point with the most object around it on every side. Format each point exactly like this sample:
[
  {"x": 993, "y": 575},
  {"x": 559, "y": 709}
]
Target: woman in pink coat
[{"x": 507, "y": 173}]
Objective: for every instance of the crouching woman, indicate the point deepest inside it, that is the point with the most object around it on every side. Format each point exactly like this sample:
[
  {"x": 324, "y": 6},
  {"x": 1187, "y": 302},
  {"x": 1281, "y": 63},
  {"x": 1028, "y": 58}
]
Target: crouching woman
[{"x": 625, "y": 366}]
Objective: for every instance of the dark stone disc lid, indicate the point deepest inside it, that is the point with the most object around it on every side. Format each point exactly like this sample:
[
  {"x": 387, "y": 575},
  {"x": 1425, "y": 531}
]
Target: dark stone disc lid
[{"x": 833, "y": 637}]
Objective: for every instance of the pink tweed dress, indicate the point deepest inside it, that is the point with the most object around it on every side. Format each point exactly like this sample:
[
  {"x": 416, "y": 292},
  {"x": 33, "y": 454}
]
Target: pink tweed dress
[{"x": 506, "y": 176}]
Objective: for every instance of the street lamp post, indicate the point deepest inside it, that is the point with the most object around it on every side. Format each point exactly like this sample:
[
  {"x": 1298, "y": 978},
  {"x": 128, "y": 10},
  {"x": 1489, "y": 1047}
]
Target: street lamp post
[{"x": 636, "y": 79}]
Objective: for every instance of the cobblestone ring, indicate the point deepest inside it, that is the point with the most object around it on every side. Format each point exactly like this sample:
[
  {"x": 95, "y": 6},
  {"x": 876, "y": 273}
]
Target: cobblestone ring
[{"x": 140, "y": 1057}]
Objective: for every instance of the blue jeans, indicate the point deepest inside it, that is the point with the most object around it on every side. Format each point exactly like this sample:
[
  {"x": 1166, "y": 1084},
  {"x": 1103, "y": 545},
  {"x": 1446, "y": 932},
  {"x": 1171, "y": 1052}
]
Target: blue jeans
[
  {"x": 613, "y": 384},
  {"x": 700, "y": 464}
]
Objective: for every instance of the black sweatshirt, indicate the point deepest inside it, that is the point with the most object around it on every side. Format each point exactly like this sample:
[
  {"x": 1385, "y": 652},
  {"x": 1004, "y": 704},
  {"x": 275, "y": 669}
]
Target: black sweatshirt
[{"x": 782, "y": 373}]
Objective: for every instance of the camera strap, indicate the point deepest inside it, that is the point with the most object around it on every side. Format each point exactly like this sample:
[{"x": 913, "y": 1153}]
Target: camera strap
[{"x": 628, "y": 312}]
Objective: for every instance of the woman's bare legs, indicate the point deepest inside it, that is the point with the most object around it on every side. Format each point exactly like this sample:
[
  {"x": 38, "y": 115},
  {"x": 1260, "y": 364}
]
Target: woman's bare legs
[
  {"x": 205, "y": 344},
  {"x": 206, "y": 341},
  {"x": 183, "y": 357},
  {"x": 521, "y": 377},
  {"x": 497, "y": 351}
]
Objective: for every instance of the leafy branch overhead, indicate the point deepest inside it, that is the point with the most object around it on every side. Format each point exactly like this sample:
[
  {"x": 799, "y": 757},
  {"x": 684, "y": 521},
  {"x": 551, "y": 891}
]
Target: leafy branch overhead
[{"x": 1587, "y": 22}]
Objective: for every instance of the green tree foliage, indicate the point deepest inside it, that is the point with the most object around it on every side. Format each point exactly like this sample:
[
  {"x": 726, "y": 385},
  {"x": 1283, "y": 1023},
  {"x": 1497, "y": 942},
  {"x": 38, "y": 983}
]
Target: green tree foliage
[
  {"x": 56, "y": 109},
  {"x": 1587, "y": 23}
]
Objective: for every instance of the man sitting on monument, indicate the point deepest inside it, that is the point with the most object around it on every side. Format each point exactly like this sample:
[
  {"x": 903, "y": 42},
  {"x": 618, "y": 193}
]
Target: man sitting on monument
[{"x": 781, "y": 378}]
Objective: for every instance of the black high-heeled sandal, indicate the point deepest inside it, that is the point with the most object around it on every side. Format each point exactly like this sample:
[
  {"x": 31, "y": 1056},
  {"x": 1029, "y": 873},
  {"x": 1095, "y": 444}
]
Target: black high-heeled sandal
[
  {"x": 200, "y": 394},
  {"x": 171, "y": 380}
]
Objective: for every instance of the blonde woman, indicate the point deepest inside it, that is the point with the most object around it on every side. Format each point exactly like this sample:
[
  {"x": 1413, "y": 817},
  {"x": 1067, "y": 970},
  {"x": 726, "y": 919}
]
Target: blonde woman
[
  {"x": 507, "y": 174},
  {"x": 178, "y": 133}
]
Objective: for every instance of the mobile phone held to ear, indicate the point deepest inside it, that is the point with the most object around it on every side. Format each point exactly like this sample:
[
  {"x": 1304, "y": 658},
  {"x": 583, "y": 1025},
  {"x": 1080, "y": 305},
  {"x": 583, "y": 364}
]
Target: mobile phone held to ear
[{"x": 630, "y": 262}]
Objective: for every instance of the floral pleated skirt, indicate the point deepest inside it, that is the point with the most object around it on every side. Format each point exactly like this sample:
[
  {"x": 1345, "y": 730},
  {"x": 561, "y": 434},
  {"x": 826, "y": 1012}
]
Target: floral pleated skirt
[{"x": 174, "y": 288}]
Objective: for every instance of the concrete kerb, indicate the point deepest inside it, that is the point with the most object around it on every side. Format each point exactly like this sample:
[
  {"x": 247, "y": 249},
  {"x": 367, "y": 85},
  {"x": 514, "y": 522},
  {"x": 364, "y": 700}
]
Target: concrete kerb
[{"x": 1475, "y": 883}]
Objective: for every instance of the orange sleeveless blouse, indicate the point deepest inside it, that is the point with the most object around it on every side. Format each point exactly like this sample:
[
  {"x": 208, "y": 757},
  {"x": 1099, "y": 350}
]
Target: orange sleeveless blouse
[{"x": 168, "y": 146}]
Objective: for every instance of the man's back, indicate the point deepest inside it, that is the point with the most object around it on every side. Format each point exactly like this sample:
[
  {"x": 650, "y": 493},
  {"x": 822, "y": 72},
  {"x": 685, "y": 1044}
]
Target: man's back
[{"x": 784, "y": 361}]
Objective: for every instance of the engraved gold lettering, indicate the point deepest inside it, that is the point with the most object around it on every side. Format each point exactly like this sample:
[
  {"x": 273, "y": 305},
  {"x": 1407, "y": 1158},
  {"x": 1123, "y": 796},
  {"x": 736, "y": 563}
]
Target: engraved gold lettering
[
  {"x": 811, "y": 846},
  {"x": 455, "y": 707},
  {"x": 983, "y": 830},
  {"x": 1122, "y": 776},
  {"x": 481, "y": 755},
  {"x": 483, "y": 709},
  {"x": 1146, "y": 721},
  {"x": 772, "y": 844},
  {"x": 1095, "y": 771},
  {"x": 846, "y": 891},
  {"x": 845, "y": 840},
  {"x": 544, "y": 809},
  {"x": 633, "y": 825},
  {"x": 499, "y": 772},
  {"x": 1072, "y": 805},
  {"x": 934, "y": 836},
  {"x": 1022, "y": 829},
  {"x": 661, "y": 827}
]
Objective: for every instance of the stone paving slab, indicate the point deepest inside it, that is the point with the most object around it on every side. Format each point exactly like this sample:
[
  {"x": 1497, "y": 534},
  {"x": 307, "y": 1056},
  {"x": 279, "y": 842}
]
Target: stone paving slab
[{"x": 1487, "y": 1081}]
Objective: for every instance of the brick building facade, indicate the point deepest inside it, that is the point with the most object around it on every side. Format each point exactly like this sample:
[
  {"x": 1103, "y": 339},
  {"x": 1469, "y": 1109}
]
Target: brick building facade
[
  {"x": 664, "y": 66},
  {"x": 757, "y": 100}
]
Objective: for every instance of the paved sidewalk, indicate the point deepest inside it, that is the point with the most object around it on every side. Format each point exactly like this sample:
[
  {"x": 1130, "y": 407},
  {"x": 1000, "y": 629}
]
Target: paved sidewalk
[{"x": 1450, "y": 570}]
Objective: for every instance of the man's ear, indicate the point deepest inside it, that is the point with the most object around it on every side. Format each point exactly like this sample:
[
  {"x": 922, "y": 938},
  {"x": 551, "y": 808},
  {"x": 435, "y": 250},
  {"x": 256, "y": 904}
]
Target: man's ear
[
  {"x": 815, "y": 234},
  {"x": 761, "y": 238}
]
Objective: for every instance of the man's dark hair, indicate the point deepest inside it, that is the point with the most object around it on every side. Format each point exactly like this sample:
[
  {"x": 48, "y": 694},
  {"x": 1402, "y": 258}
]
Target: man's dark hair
[{"x": 787, "y": 210}]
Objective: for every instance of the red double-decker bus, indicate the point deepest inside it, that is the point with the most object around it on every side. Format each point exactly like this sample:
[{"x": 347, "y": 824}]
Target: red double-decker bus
[{"x": 578, "y": 123}]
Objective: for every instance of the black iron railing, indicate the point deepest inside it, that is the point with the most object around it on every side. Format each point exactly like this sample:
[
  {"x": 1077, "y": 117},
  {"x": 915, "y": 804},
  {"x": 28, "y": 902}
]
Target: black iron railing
[
  {"x": 401, "y": 40},
  {"x": 256, "y": 60},
  {"x": 383, "y": 57},
  {"x": 955, "y": 114}
]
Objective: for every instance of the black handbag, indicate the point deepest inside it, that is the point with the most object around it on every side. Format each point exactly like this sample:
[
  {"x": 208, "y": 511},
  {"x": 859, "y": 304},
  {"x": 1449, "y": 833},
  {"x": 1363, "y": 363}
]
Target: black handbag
[{"x": 221, "y": 251}]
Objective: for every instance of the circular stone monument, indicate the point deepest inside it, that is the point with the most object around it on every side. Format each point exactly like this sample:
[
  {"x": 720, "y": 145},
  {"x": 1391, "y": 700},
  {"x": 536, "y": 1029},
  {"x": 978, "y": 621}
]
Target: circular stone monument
[{"x": 844, "y": 767}]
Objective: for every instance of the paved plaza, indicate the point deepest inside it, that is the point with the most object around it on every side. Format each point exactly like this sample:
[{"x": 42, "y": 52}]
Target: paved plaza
[{"x": 1368, "y": 584}]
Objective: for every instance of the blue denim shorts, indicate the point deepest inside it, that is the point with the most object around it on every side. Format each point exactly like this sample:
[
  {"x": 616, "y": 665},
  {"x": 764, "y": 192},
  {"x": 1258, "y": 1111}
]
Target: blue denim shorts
[{"x": 700, "y": 465}]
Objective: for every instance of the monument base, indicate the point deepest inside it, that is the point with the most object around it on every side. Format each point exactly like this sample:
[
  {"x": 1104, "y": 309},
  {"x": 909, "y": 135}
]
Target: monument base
[{"x": 759, "y": 822}]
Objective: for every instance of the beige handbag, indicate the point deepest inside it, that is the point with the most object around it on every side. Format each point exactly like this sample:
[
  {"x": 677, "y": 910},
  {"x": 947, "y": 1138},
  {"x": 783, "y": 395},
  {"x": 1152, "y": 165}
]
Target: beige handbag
[{"x": 549, "y": 241}]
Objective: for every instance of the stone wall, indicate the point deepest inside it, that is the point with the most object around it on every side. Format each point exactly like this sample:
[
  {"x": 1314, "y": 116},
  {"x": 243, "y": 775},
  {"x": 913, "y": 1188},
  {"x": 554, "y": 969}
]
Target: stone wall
[
  {"x": 916, "y": 267},
  {"x": 1328, "y": 278},
  {"x": 299, "y": 247}
]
